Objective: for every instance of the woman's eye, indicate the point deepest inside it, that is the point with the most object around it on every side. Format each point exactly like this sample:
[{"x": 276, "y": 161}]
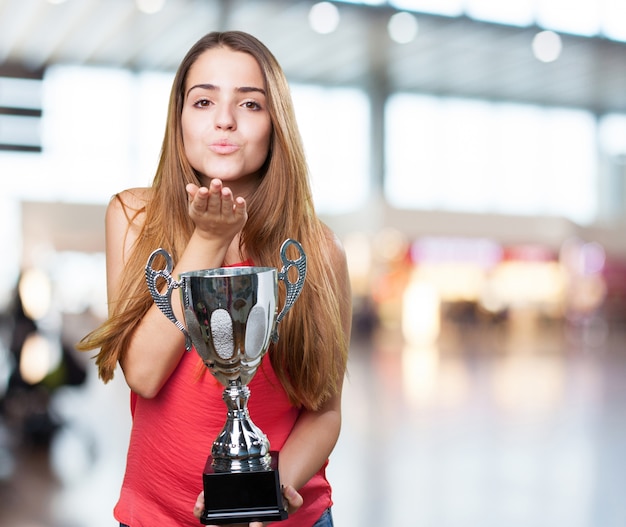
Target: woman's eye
[
  {"x": 202, "y": 103},
  {"x": 252, "y": 105}
]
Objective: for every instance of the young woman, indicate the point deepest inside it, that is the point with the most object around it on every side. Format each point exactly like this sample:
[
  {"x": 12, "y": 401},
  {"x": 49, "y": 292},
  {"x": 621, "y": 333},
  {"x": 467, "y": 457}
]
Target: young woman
[{"x": 230, "y": 187}]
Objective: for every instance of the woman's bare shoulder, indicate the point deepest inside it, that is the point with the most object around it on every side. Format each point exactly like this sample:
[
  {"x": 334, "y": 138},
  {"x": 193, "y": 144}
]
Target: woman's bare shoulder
[
  {"x": 334, "y": 247},
  {"x": 133, "y": 198},
  {"x": 130, "y": 202}
]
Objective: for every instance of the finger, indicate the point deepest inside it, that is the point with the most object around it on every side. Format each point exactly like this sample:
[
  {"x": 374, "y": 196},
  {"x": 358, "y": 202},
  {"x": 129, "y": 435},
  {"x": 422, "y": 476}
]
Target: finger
[
  {"x": 191, "y": 190},
  {"x": 216, "y": 186},
  {"x": 294, "y": 499},
  {"x": 228, "y": 200},
  {"x": 240, "y": 209},
  {"x": 199, "y": 505},
  {"x": 214, "y": 204},
  {"x": 200, "y": 200}
]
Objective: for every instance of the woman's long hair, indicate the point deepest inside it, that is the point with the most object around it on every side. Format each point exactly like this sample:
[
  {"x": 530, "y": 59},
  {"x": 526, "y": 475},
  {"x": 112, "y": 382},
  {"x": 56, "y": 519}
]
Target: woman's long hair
[{"x": 311, "y": 353}]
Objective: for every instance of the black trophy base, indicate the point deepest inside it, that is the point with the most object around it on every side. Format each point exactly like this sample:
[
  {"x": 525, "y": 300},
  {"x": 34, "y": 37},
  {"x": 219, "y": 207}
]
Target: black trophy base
[{"x": 242, "y": 497}]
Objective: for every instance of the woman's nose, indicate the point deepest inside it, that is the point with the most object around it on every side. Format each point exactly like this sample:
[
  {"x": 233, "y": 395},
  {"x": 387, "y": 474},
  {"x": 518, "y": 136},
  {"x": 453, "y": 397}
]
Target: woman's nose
[{"x": 225, "y": 118}]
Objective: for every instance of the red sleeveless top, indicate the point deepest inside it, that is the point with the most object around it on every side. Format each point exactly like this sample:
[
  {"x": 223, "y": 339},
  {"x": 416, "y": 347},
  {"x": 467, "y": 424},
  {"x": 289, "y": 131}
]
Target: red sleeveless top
[{"x": 172, "y": 435}]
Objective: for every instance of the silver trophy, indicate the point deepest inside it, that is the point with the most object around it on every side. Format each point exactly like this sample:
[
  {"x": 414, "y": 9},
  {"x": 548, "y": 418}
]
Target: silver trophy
[{"x": 232, "y": 317}]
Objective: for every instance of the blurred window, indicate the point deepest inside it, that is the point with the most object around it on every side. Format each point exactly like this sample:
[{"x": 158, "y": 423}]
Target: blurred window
[
  {"x": 87, "y": 132},
  {"x": 334, "y": 123},
  {"x": 513, "y": 12},
  {"x": 612, "y": 128},
  {"x": 436, "y": 7},
  {"x": 613, "y": 14},
  {"x": 474, "y": 156},
  {"x": 102, "y": 130},
  {"x": 579, "y": 17}
]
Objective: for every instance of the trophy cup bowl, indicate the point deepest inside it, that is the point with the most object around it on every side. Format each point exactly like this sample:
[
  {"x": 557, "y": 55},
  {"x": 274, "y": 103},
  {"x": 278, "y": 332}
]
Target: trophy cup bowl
[{"x": 231, "y": 318}]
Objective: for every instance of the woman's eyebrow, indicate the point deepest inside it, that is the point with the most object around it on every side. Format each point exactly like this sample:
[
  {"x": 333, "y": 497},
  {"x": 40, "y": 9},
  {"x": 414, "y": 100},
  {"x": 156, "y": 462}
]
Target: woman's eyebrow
[
  {"x": 250, "y": 89},
  {"x": 213, "y": 87}
]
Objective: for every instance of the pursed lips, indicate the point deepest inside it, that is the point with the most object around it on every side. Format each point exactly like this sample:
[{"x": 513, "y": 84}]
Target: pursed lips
[{"x": 223, "y": 147}]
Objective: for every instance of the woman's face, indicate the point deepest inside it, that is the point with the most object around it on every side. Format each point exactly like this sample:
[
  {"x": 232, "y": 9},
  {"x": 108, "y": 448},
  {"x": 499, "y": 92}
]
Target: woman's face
[{"x": 226, "y": 125}]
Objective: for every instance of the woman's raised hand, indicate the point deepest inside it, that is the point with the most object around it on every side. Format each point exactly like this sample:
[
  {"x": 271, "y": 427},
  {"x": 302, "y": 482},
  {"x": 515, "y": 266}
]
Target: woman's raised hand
[{"x": 215, "y": 211}]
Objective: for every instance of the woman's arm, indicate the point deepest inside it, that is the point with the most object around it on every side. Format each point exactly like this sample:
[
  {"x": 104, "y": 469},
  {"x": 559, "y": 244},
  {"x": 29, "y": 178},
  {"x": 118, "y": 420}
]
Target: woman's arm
[
  {"x": 316, "y": 432},
  {"x": 310, "y": 443},
  {"x": 156, "y": 345}
]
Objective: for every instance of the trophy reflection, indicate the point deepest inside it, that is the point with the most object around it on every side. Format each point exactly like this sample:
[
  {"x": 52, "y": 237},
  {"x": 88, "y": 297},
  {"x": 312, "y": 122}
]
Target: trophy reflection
[{"x": 232, "y": 317}]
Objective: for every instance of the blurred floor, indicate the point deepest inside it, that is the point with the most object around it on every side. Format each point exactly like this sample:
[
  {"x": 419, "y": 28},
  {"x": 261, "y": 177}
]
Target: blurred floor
[{"x": 518, "y": 426}]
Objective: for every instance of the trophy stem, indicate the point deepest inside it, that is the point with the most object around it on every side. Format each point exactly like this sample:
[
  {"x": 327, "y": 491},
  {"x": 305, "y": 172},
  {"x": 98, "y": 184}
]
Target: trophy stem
[{"x": 240, "y": 446}]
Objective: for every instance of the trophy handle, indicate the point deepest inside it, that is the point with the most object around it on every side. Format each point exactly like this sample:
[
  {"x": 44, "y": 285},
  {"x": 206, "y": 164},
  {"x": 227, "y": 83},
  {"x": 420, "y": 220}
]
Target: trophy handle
[
  {"x": 293, "y": 288},
  {"x": 164, "y": 300}
]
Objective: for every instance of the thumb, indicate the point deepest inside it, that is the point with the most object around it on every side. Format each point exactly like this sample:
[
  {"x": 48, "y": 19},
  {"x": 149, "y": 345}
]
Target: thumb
[
  {"x": 294, "y": 499},
  {"x": 199, "y": 506}
]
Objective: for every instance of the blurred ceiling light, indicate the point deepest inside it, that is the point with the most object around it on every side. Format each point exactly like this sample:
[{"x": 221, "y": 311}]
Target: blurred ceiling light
[
  {"x": 324, "y": 17},
  {"x": 150, "y": 6},
  {"x": 547, "y": 46},
  {"x": 402, "y": 27},
  {"x": 56, "y": 2},
  {"x": 35, "y": 293}
]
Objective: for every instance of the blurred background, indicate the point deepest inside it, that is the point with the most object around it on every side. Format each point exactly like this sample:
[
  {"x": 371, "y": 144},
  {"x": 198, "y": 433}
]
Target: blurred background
[{"x": 471, "y": 155}]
